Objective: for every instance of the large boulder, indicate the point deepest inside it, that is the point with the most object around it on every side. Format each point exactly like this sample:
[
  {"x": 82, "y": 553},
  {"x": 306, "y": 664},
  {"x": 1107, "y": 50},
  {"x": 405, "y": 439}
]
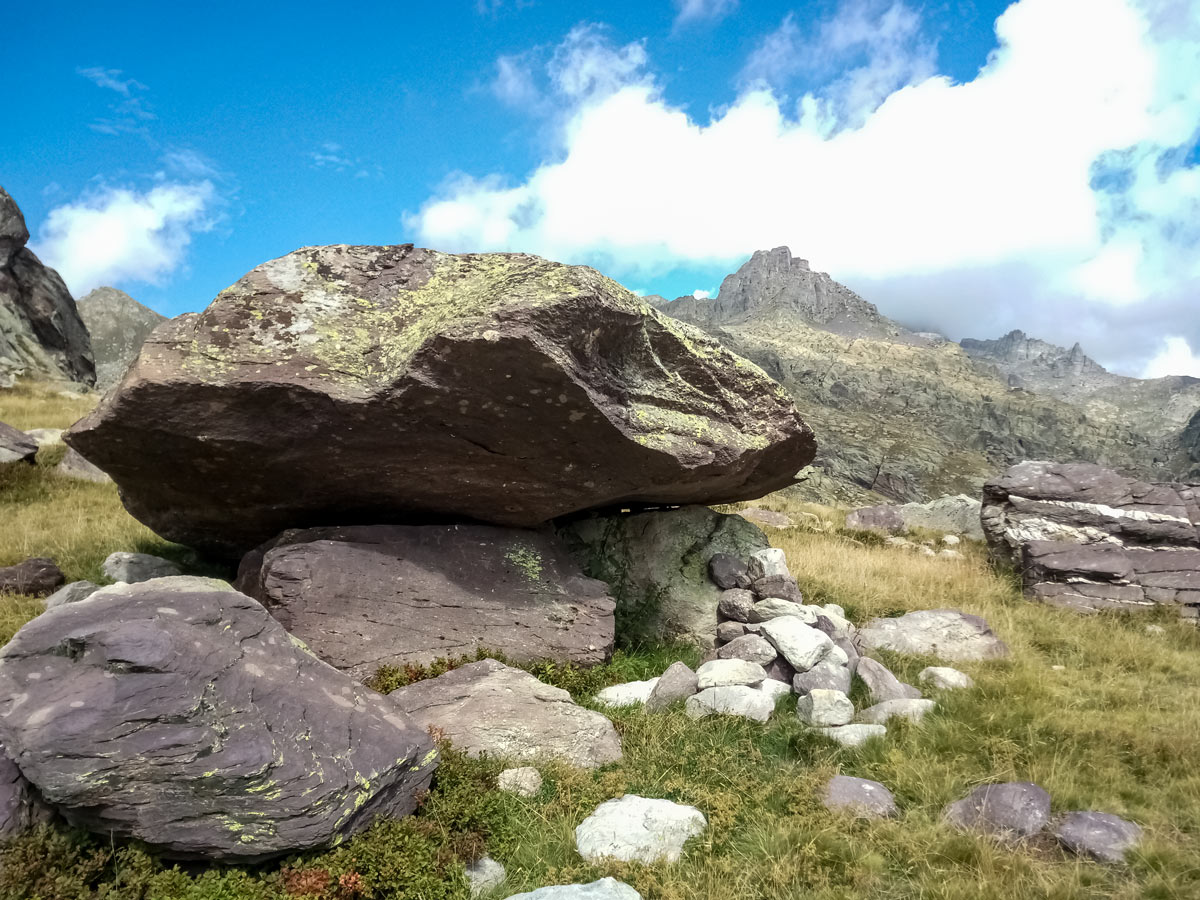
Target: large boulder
[
  {"x": 118, "y": 326},
  {"x": 1088, "y": 538},
  {"x": 657, "y": 565},
  {"x": 341, "y": 384},
  {"x": 193, "y": 722},
  {"x": 488, "y": 707},
  {"x": 41, "y": 334},
  {"x": 366, "y": 596}
]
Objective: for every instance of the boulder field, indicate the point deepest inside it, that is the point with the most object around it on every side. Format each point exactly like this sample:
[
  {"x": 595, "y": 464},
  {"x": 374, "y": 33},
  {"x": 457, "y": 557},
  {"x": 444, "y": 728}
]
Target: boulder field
[{"x": 350, "y": 384}]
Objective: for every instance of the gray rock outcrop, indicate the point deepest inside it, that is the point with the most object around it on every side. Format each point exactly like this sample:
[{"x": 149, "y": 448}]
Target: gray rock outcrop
[
  {"x": 1088, "y": 538},
  {"x": 947, "y": 634},
  {"x": 488, "y": 707},
  {"x": 192, "y": 721},
  {"x": 500, "y": 388},
  {"x": 657, "y": 566},
  {"x": 132, "y": 568},
  {"x": 41, "y": 334},
  {"x": 365, "y": 596}
]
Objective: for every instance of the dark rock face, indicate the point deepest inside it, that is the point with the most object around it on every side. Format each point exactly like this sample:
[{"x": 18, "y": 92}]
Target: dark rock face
[
  {"x": 656, "y": 564},
  {"x": 20, "y": 806},
  {"x": 728, "y": 572},
  {"x": 1015, "y": 810},
  {"x": 352, "y": 385},
  {"x": 1088, "y": 538},
  {"x": 366, "y": 596},
  {"x": 41, "y": 334},
  {"x": 118, "y": 326},
  {"x": 16, "y": 445},
  {"x": 192, "y": 721},
  {"x": 36, "y": 576}
]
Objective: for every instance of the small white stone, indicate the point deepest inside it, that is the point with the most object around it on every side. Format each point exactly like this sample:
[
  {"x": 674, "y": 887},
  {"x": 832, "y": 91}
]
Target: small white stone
[
  {"x": 853, "y": 735},
  {"x": 824, "y": 707},
  {"x": 524, "y": 781},
  {"x": 913, "y": 710},
  {"x": 484, "y": 875},
  {"x": 722, "y": 672},
  {"x": 771, "y": 561},
  {"x": 945, "y": 678},
  {"x": 774, "y": 689},
  {"x": 638, "y": 829},
  {"x": 731, "y": 700},
  {"x": 631, "y": 693},
  {"x": 802, "y": 646}
]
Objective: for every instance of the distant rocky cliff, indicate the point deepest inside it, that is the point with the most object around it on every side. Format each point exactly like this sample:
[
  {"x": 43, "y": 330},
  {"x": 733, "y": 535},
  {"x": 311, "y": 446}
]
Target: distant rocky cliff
[
  {"x": 118, "y": 325},
  {"x": 41, "y": 334},
  {"x": 905, "y": 416}
]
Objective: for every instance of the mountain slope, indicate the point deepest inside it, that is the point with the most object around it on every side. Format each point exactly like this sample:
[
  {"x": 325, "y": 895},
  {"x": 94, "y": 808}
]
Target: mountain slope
[
  {"x": 118, "y": 325},
  {"x": 909, "y": 416}
]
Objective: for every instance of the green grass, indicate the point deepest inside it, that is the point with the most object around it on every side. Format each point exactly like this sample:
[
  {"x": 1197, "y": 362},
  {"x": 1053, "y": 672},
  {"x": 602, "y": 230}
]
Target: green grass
[{"x": 1116, "y": 729}]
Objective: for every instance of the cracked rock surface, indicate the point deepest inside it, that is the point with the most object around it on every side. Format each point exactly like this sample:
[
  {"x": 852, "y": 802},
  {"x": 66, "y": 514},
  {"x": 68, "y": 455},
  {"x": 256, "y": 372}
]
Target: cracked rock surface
[
  {"x": 366, "y": 596},
  {"x": 193, "y": 722}
]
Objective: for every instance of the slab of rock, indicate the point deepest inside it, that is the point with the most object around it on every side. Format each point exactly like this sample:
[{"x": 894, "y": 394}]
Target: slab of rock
[
  {"x": 1097, "y": 835},
  {"x": 21, "y": 808},
  {"x": 729, "y": 631},
  {"x": 881, "y": 713},
  {"x": 750, "y": 647},
  {"x": 73, "y": 465},
  {"x": 958, "y": 514},
  {"x": 859, "y": 796},
  {"x": 736, "y": 604},
  {"x": 41, "y": 334},
  {"x": 500, "y": 388},
  {"x": 728, "y": 571},
  {"x": 71, "y": 593},
  {"x": 731, "y": 700},
  {"x": 773, "y": 608},
  {"x": 656, "y": 566},
  {"x": 134, "y": 567},
  {"x": 766, "y": 562},
  {"x": 944, "y": 678},
  {"x": 881, "y": 684},
  {"x": 37, "y": 576},
  {"x": 488, "y": 707},
  {"x": 16, "y": 445},
  {"x": 943, "y": 633},
  {"x": 631, "y": 693},
  {"x": 245, "y": 745},
  {"x": 524, "y": 781},
  {"x": 604, "y": 889},
  {"x": 171, "y": 584},
  {"x": 723, "y": 672},
  {"x": 884, "y": 519},
  {"x": 853, "y": 735},
  {"x": 774, "y": 689},
  {"x": 824, "y": 676},
  {"x": 638, "y": 829},
  {"x": 365, "y": 596},
  {"x": 484, "y": 875},
  {"x": 1015, "y": 809},
  {"x": 766, "y": 517},
  {"x": 801, "y": 645},
  {"x": 678, "y": 682},
  {"x": 824, "y": 707}
]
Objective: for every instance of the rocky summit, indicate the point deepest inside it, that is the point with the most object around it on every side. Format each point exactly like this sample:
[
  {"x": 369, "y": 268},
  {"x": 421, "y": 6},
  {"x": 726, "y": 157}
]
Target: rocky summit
[
  {"x": 363, "y": 384},
  {"x": 118, "y": 326},
  {"x": 41, "y": 334},
  {"x": 909, "y": 416}
]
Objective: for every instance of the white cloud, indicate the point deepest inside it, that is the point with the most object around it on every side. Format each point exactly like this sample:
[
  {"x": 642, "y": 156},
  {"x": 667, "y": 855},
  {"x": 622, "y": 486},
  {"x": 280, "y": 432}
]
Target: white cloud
[
  {"x": 1061, "y": 165},
  {"x": 111, "y": 79},
  {"x": 701, "y": 294},
  {"x": 116, "y": 234},
  {"x": 1175, "y": 358},
  {"x": 703, "y": 10},
  {"x": 513, "y": 83}
]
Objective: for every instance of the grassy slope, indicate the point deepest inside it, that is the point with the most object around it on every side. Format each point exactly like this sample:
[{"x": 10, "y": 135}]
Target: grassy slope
[{"x": 1115, "y": 729}]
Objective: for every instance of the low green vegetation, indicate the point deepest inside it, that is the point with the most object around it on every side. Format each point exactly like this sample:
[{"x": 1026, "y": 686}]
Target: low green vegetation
[{"x": 1097, "y": 710}]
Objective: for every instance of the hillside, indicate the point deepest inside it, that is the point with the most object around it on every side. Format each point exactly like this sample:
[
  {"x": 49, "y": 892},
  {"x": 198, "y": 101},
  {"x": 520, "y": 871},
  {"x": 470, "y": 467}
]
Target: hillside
[
  {"x": 118, "y": 325},
  {"x": 905, "y": 415}
]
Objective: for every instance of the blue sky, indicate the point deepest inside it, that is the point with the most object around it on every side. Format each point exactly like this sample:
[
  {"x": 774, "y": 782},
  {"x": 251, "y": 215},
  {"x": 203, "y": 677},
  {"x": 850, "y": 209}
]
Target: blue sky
[{"x": 1043, "y": 179}]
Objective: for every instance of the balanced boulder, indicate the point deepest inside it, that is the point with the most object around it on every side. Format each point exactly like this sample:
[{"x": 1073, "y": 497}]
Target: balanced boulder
[
  {"x": 365, "y": 596},
  {"x": 193, "y": 722},
  {"x": 348, "y": 384}
]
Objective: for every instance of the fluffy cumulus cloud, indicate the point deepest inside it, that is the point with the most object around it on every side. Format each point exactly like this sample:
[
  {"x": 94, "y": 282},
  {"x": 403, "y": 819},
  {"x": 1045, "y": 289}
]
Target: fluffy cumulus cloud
[
  {"x": 117, "y": 234},
  {"x": 1057, "y": 191}
]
